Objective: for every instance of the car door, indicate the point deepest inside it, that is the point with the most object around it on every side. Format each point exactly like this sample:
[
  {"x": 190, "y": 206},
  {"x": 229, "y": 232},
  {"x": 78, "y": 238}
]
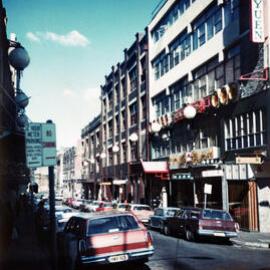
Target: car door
[{"x": 174, "y": 222}]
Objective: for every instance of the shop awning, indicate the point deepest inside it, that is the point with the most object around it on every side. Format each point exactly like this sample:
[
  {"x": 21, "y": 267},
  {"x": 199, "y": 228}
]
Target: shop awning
[
  {"x": 155, "y": 167},
  {"x": 120, "y": 181}
]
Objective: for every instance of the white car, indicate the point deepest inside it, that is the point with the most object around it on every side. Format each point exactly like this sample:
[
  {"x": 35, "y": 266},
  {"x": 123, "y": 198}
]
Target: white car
[{"x": 91, "y": 207}]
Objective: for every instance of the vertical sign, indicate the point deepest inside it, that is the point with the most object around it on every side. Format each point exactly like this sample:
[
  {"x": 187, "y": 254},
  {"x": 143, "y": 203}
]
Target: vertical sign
[
  {"x": 49, "y": 145},
  {"x": 257, "y": 21},
  {"x": 33, "y": 141}
]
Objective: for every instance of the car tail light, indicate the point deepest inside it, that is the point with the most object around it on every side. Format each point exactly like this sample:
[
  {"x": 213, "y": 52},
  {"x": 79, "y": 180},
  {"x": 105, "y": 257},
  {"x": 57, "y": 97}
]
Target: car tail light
[
  {"x": 149, "y": 239},
  {"x": 237, "y": 227},
  {"x": 200, "y": 225}
]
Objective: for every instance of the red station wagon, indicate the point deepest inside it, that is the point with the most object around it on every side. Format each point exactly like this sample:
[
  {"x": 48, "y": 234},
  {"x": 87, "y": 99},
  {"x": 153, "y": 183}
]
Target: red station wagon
[
  {"x": 104, "y": 238},
  {"x": 194, "y": 222}
]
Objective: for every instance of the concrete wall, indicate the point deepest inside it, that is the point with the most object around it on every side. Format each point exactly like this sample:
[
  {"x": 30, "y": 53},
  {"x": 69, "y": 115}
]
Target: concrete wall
[{"x": 263, "y": 186}]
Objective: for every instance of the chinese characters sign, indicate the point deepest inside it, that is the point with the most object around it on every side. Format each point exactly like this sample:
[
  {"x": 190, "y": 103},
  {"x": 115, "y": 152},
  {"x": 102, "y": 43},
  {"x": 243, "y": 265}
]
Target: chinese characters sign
[{"x": 40, "y": 145}]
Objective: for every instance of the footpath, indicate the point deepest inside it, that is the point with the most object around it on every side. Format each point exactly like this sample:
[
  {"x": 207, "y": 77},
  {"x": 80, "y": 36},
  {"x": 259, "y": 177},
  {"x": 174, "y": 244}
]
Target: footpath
[
  {"x": 252, "y": 239},
  {"x": 25, "y": 252}
]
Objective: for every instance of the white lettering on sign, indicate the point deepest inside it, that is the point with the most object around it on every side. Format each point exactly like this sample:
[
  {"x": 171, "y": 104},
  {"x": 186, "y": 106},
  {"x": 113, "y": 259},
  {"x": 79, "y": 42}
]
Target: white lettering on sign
[
  {"x": 40, "y": 140},
  {"x": 257, "y": 21}
]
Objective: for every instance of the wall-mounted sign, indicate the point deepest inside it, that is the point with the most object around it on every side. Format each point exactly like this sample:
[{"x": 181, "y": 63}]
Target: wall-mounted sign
[
  {"x": 40, "y": 145},
  {"x": 212, "y": 173},
  {"x": 248, "y": 160},
  {"x": 257, "y": 21},
  {"x": 182, "y": 176}
]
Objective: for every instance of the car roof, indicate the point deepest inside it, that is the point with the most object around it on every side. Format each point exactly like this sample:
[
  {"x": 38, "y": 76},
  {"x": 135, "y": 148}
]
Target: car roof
[
  {"x": 140, "y": 205},
  {"x": 96, "y": 215}
]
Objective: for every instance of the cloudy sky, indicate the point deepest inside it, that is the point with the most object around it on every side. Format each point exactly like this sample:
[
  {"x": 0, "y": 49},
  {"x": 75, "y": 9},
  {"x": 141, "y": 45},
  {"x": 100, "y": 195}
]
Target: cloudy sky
[{"x": 72, "y": 45}]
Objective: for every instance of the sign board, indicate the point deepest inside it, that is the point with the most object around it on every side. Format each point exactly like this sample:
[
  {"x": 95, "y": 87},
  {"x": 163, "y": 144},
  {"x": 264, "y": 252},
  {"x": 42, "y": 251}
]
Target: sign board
[
  {"x": 257, "y": 21},
  {"x": 49, "y": 144},
  {"x": 212, "y": 173},
  {"x": 40, "y": 144},
  {"x": 182, "y": 176},
  {"x": 248, "y": 160},
  {"x": 207, "y": 189},
  {"x": 33, "y": 140}
]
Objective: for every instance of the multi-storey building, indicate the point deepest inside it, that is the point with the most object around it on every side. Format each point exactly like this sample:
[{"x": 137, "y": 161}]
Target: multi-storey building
[
  {"x": 72, "y": 171},
  {"x": 91, "y": 158},
  {"x": 124, "y": 98},
  {"x": 208, "y": 84}
]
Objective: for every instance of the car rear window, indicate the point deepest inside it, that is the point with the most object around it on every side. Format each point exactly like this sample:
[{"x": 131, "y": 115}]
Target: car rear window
[
  {"x": 170, "y": 213},
  {"x": 112, "y": 224},
  {"x": 212, "y": 214},
  {"x": 141, "y": 208}
]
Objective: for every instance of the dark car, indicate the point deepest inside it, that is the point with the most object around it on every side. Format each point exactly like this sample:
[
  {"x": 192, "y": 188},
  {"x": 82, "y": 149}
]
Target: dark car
[
  {"x": 197, "y": 222},
  {"x": 104, "y": 238},
  {"x": 160, "y": 216}
]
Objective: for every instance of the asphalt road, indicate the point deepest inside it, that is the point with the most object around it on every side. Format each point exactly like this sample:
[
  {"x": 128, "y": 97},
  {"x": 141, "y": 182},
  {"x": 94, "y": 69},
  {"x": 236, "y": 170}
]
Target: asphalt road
[{"x": 173, "y": 253}]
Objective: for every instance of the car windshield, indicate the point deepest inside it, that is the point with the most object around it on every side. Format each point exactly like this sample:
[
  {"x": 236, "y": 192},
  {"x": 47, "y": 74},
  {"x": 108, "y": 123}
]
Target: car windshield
[
  {"x": 214, "y": 214},
  {"x": 141, "y": 208},
  {"x": 111, "y": 224}
]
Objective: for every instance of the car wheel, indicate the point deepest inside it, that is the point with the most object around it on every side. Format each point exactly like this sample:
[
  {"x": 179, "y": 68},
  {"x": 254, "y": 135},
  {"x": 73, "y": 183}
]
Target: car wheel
[
  {"x": 166, "y": 230},
  {"x": 189, "y": 235},
  {"x": 161, "y": 227}
]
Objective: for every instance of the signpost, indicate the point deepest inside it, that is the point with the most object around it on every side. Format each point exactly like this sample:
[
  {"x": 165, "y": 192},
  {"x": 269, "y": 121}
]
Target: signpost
[
  {"x": 40, "y": 144},
  {"x": 207, "y": 190}
]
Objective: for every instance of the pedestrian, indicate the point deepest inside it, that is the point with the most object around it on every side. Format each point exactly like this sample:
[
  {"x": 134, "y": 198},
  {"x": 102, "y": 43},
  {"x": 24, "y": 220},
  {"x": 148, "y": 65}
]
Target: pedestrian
[{"x": 40, "y": 220}]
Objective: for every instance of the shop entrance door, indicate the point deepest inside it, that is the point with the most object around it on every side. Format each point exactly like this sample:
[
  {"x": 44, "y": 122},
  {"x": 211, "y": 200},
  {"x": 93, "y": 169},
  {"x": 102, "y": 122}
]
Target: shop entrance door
[{"x": 243, "y": 203}]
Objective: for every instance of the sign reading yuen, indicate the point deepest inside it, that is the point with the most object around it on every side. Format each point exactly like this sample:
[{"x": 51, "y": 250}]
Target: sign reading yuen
[{"x": 257, "y": 21}]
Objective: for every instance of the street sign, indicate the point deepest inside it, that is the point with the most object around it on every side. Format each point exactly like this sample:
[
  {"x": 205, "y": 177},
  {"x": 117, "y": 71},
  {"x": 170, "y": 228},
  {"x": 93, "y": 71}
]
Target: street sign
[
  {"x": 40, "y": 144},
  {"x": 33, "y": 140},
  {"x": 49, "y": 144},
  {"x": 207, "y": 189}
]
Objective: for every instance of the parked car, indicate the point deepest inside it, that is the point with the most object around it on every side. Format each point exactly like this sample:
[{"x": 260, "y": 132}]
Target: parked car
[
  {"x": 104, "y": 206},
  {"x": 160, "y": 216},
  {"x": 196, "y": 222},
  {"x": 104, "y": 238},
  {"x": 91, "y": 207},
  {"x": 142, "y": 212},
  {"x": 76, "y": 203},
  {"x": 123, "y": 207}
]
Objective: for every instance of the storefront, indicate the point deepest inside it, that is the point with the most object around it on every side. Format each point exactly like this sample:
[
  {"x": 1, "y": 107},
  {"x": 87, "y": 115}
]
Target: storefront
[{"x": 242, "y": 192}]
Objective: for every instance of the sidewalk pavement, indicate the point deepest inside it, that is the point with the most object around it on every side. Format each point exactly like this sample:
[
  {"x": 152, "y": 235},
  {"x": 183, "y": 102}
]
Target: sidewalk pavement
[
  {"x": 252, "y": 239},
  {"x": 25, "y": 252}
]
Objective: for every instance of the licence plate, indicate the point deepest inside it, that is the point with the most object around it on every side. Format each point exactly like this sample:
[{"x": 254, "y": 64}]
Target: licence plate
[
  {"x": 219, "y": 234},
  {"x": 118, "y": 258}
]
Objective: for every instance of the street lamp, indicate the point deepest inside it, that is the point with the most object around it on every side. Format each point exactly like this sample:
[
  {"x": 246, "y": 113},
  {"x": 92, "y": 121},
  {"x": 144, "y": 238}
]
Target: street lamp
[
  {"x": 19, "y": 60},
  {"x": 156, "y": 127},
  {"x": 190, "y": 111},
  {"x": 133, "y": 137}
]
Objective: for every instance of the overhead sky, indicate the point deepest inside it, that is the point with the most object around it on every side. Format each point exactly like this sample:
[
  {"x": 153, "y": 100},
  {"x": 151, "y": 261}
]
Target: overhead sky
[{"x": 72, "y": 45}]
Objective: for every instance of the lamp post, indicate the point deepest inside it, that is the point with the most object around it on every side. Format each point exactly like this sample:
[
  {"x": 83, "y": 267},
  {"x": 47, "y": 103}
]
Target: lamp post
[
  {"x": 115, "y": 150},
  {"x": 190, "y": 113},
  {"x": 134, "y": 138},
  {"x": 103, "y": 157}
]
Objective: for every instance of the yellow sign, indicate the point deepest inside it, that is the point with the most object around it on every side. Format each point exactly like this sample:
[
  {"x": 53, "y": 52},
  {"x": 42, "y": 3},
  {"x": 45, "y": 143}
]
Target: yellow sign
[{"x": 248, "y": 160}]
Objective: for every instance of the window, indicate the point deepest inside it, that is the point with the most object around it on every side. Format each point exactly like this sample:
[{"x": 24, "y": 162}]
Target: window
[
  {"x": 133, "y": 79},
  {"x": 103, "y": 225},
  {"x": 206, "y": 26},
  {"x": 162, "y": 104},
  {"x": 133, "y": 114}
]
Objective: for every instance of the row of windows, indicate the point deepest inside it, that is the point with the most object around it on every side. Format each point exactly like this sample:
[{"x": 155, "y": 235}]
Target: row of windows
[
  {"x": 245, "y": 131},
  {"x": 207, "y": 78},
  {"x": 186, "y": 141},
  {"x": 175, "y": 13},
  {"x": 203, "y": 29}
]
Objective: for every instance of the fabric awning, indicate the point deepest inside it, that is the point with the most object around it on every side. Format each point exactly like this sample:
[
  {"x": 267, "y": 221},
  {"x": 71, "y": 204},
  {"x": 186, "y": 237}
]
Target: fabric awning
[{"x": 155, "y": 167}]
